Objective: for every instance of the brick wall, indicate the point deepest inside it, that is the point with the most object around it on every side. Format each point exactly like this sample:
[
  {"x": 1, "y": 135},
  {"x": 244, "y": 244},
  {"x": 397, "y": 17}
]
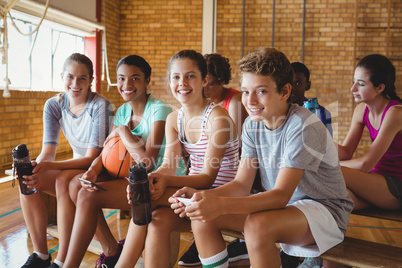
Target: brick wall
[{"x": 157, "y": 30}]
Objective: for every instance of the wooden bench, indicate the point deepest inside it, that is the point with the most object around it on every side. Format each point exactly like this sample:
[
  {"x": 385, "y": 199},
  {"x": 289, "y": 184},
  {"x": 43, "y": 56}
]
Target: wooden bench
[
  {"x": 355, "y": 253},
  {"x": 380, "y": 214}
]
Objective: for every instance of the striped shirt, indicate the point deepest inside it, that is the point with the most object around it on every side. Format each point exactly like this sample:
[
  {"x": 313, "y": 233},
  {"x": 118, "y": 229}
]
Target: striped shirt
[{"x": 230, "y": 161}]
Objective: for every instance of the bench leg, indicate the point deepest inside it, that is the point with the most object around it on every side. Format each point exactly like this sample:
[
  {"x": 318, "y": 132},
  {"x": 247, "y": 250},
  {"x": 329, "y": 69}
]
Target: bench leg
[{"x": 174, "y": 247}]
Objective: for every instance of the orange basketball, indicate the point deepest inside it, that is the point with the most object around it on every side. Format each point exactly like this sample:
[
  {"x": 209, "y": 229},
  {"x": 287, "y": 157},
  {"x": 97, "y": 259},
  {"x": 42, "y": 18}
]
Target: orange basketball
[{"x": 116, "y": 159}]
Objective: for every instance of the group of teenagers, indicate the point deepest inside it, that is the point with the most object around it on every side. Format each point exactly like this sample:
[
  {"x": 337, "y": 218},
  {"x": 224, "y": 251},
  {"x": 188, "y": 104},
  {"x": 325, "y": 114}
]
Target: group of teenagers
[{"x": 309, "y": 183}]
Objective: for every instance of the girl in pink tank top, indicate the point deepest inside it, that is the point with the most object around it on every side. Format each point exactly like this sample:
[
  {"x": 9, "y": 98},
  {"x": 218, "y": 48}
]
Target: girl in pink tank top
[{"x": 374, "y": 179}]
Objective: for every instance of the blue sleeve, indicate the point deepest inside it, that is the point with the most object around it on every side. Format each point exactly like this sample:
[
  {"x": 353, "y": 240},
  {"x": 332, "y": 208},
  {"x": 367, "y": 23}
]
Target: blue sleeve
[
  {"x": 102, "y": 116},
  {"x": 51, "y": 122}
]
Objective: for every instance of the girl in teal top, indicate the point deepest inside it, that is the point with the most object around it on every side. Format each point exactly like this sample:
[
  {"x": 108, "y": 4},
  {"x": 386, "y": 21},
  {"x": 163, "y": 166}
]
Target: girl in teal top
[
  {"x": 155, "y": 110},
  {"x": 140, "y": 123}
]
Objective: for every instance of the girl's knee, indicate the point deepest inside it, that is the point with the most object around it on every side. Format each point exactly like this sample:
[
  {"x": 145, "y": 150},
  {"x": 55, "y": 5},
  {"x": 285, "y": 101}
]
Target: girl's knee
[
  {"x": 63, "y": 180},
  {"x": 162, "y": 221}
]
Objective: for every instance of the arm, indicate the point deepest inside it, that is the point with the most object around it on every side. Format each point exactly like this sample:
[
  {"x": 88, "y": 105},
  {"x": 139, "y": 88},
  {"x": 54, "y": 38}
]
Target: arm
[
  {"x": 173, "y": 147},
  {"x": 139, "y": 151},
  {"x": 210, "y": 206},
  {"x": 391, "y": 125},
  {"x": 237, "y": 111},
  {"x": 346, "y": 150},
  {"x": 220, "y": 131}
]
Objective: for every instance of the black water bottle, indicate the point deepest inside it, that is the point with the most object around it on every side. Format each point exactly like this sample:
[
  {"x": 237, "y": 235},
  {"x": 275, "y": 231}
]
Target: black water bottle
[
  {"x": 140, "y": 196},
  {"x": 22, "y": 163}
]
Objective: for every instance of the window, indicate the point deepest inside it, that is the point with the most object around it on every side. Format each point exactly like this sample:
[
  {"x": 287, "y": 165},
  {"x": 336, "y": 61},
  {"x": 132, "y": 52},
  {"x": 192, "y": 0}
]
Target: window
[{"x": 36, "y": 61}]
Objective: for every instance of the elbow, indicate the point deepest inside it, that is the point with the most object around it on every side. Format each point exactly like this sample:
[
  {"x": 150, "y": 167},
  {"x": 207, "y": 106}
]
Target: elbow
[{"x": 366, "y": 166}]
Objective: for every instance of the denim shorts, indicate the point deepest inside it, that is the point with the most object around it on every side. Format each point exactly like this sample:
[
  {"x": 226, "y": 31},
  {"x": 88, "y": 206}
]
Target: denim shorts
[{"x": 394, "y": 186}]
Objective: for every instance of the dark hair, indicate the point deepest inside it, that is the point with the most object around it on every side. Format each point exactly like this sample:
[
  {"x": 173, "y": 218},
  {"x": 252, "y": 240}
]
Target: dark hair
[
  {"x": 268, "y": 62},
  {"x": 138, "y": 61},
  {"x": 193, "y": 55},
  {"x": 219, "y": 67},
  {"x": 381, "y": 71},
  {"x": 299, "y": 67},
  {"x": 81, "y": 59}
]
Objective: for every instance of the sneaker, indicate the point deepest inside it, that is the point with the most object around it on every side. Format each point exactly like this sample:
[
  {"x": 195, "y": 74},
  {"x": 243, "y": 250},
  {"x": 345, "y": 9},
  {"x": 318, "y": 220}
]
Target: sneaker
[
  {"x": 53, "y": 265},
  {"x": 190, "y": 257},
  {"x": 237, "y": 250},
  {"x": 35, "y": 262},
  {"x": 108, "y": 262},
  {"x": 288, "y": 261},
  {"x": 311, "y": 263}
]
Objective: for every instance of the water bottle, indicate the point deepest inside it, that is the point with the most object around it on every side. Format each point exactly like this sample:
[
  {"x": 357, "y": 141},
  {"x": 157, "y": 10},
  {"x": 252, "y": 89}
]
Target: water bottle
[
  {"x": 22, "y": 162},
  {"x": 140, "y": 196},
  {"x": 312, "y": 105}
]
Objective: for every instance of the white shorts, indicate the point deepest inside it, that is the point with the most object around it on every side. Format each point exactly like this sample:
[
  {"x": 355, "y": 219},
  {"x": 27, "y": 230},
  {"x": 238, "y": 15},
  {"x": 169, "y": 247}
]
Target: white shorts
[{"x": 323, "y": 228}]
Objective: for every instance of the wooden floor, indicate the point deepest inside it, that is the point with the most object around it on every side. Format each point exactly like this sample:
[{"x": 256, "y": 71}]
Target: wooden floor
[{"x": 16, "y": 246}]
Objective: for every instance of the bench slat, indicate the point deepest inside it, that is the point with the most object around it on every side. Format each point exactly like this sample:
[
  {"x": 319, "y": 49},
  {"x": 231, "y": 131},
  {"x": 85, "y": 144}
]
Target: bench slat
[
  {"x": 359, "y": 253},
  {"x": 355, "y": 253},
  {"x": 380, "y": 214}
]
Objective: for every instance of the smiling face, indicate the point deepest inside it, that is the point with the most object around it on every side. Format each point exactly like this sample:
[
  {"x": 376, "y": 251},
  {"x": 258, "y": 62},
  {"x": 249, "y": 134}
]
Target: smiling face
[
  {"x": 131, "y": 82},
  {"x": 262, "y": 100},
  {"x": 363, "y": 89},
  {"x": 76, "y": 81},
  {"x": 186, "y": 81}
]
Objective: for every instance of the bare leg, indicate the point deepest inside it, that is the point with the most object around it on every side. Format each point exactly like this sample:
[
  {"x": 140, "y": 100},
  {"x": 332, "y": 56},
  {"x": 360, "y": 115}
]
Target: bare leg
[
  {"x": 105, "y": 236},
  {"x": 157, "y": 244},
  {"x": 369, "y": 188},
  {"x": 262, "y": 230},
  {"x": 135, "y": 240},
  {"x": 65, "y": 210},
  {"x": 134, "y": 245},
  {"x": 208, "y": 237},
  {"x": 34, "y": 211},
  {"x": 88, "y": 214}
]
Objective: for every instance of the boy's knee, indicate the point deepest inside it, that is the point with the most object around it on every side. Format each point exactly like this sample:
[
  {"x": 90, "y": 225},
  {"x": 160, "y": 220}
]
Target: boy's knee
[{"x": 256, "y": 227}]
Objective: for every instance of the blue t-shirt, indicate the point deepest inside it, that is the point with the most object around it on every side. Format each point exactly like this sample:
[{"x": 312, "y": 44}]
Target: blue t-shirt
[{"x": 155, "y": 110}]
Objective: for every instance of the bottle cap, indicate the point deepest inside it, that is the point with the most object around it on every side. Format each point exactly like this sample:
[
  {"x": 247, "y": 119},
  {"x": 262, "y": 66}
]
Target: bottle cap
[
  {"x": 20, "y": 151},
  {"x": 311, "y": 104},
  {"x": 138, "y": 172}
]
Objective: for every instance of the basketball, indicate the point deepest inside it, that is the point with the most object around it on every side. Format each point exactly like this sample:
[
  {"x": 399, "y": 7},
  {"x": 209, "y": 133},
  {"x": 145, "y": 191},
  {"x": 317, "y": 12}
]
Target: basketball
[{"x": 116, "y": 159}]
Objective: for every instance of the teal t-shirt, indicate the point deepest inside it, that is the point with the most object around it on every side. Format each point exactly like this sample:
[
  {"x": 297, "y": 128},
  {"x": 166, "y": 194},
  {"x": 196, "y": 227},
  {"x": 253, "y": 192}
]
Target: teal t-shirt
[{"x": 155, "y": 110}]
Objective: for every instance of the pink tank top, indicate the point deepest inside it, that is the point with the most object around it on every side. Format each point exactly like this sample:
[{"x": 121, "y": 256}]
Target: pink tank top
[
  {"x": 228, "y": 98},
  {"x": 391, "y": 162},
  {"x": 230, "y": 160}
]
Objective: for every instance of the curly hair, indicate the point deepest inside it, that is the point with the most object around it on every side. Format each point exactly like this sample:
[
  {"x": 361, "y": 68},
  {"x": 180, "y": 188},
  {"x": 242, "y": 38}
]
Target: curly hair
[
  {"x": 219, "y": 67},
  {"x": 268, "y": 62}
]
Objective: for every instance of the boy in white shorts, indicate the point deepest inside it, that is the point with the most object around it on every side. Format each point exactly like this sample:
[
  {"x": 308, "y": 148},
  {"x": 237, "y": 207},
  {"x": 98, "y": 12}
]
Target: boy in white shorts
[{"x": 305, "y": 205}]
